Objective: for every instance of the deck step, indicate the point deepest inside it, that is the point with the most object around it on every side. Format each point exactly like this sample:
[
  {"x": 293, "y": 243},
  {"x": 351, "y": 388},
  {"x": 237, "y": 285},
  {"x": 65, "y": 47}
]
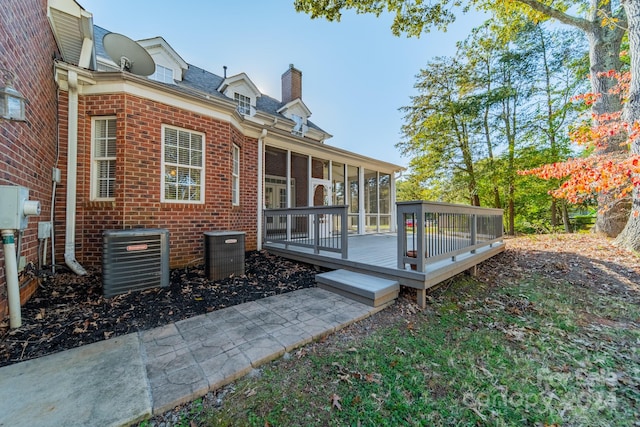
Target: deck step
[{"x": 370, "y": 290}]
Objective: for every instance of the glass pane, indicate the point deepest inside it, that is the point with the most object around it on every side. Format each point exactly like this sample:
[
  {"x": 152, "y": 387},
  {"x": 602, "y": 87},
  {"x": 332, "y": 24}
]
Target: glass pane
[
  {"x": 170, "y": 192},
  {"x": 337, "y": 176},
  {"x": 183, "y": 156},
  {"x": 385, "y": 223},
  {"x": 370, "y": 191},
  {"x": 353, "y": 180},
  {"x": 100, "y": 130},
  {"x": 184, "y": 141},
  {"x": 299, "y": 175},
  {"x": 234, "y": 190},
  {"x": 101, "y": 149},
  {"x": 196, "y": 142},
  {"x": 110, "y": 150},
  {"x": 353, "y": 223},
  {"x": 196, "y": 158},
  {"x": 385, "y": 193},
  {"x": 371, "y": 223},
  {"x": 275, "y": 162},
  {"x": 111, "y": 128},
  {"x": 106, "y": 169},
  {"x": 170, "y": 137},
  {"x": 170, "y": 154},
  {"x": 320, "y": 168}
]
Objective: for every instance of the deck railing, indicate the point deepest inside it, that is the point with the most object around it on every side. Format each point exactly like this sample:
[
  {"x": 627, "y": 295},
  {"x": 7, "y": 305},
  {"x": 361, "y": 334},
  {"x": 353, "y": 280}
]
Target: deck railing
[
  {"x": 322, "y": 228},
  {"x": 431, "y": 231}
]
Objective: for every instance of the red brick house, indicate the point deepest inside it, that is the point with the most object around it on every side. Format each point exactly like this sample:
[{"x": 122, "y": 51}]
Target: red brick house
[
  {"x": 28, "y": 149},
  {"x": 182, "y": 149}
]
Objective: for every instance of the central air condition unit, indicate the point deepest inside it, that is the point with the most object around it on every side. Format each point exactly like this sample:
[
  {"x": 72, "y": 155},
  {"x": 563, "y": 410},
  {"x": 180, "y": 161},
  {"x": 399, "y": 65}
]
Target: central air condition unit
[{"x": 133, "y": 260}]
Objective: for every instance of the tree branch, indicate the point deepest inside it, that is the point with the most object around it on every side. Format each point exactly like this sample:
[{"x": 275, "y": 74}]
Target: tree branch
[{"x": 561, "y": 16}]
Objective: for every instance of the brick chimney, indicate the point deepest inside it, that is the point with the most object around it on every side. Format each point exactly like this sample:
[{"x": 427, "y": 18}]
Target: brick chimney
[{"x": 291, "y": 84}]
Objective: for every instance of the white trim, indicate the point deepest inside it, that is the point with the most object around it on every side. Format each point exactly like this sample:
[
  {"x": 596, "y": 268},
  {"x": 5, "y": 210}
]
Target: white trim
[
  {"x": 260, "y": 201},
  {"x": 161, "y": 96}
]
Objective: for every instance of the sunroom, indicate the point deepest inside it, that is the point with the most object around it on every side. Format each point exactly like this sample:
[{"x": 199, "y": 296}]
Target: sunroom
[{"x": 317, "y": 175}]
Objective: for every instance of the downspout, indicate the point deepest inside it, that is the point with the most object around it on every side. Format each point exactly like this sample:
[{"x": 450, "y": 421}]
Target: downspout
[
  {"x": 72, "y": 173},
  {"x": 260, "y": 203}
]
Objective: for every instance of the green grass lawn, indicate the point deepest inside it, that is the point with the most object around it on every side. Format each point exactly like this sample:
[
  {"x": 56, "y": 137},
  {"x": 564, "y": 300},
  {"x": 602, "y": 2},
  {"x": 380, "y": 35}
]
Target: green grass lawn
[{"x": 527, "y": 353}]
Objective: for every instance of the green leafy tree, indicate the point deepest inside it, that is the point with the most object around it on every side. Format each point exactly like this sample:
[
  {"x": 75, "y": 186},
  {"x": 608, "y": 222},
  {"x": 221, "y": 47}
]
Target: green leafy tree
[
  {"x": 604, "y": 22},
  {"x": 438, "y": 127}
]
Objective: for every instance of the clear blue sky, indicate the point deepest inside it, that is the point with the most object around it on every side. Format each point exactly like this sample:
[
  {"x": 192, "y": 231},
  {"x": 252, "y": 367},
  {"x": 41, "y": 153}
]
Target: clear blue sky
[{"x": 355, "y": 73}]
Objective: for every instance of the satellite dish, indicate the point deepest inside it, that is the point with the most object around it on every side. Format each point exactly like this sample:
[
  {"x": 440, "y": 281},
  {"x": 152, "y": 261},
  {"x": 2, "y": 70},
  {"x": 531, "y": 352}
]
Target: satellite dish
[{"x": 128, "y": 54}]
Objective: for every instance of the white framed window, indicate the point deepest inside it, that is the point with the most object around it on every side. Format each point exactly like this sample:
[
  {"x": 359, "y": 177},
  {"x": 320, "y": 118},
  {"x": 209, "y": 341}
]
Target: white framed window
[
  {"x": 244, "y": 103},
  {"x": 235, "y": 175},
  {"x": 276, "y": 191},
  {"x": 103, "y": 158},
  {"x": 182, "y": 165},
  {"x": 162, "y": 74}
]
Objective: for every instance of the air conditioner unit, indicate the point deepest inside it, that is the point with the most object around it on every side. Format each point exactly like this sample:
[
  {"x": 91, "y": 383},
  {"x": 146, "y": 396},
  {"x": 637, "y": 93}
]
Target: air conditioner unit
[{"x": 133, "y": 260}]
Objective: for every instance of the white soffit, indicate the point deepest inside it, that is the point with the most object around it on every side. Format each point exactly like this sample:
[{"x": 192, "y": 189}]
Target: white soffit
[{"x": 71, "y": 24}]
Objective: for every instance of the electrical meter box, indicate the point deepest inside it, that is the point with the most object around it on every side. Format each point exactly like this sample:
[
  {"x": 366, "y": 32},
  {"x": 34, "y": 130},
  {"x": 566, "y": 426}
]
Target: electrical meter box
[{"x": 15, "y": 207}]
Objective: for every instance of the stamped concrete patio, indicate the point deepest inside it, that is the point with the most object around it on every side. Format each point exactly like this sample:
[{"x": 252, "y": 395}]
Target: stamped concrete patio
[{"x": 127, "y": 379}]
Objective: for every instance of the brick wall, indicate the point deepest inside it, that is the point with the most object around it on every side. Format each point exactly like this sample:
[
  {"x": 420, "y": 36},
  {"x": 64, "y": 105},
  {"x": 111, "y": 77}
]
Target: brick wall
[
  {"x": 28, "y": 149},
  {"x": 138, "y": 174}
]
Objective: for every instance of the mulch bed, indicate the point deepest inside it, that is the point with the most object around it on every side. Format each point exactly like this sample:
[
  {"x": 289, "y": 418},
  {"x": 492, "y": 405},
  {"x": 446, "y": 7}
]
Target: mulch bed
[{"x": 68, "y": 311}]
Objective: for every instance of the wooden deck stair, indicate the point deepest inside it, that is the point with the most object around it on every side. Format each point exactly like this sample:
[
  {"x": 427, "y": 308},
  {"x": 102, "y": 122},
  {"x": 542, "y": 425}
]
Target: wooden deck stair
[{"x": 373, "y": 291}]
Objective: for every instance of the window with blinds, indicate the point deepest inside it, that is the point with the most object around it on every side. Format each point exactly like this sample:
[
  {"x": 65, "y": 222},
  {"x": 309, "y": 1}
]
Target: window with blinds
[
  {"x": 235, "y": 176},
  {"x": 103, "y": 165},
  {"x": 183, "y": 172}
]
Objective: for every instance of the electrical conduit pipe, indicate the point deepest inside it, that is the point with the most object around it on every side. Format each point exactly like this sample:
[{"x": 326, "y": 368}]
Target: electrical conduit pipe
[{"x": 11, "y": 273}]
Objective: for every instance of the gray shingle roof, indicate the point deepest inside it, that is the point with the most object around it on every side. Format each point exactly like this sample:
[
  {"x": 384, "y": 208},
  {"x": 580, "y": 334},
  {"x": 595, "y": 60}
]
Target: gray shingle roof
[{"x": 204, "y": 81}]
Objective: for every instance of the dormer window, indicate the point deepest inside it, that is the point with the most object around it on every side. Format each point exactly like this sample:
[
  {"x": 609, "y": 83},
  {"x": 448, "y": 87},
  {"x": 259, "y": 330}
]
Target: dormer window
[
  {"x": 244, "y": 103},
  {"x": 298, "y": 129},
  {"x": 162, "y": 74}
]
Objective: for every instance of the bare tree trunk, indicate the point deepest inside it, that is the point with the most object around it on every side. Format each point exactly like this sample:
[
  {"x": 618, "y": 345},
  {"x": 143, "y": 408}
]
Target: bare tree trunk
[
  {"x": 512, "y": 211},
  {"x": 565, "y": 218},
  {"x": 630, "y": 236},
  {"x": 604, "y": 51}
]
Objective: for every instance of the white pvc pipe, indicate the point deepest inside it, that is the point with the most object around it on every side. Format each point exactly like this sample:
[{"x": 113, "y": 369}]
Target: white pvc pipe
[
  {"x": 11, "y": 272},
  {"x": 72, "y": 173}
]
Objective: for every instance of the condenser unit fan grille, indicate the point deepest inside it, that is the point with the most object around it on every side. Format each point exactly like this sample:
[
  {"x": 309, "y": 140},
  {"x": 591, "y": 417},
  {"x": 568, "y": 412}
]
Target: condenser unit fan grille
[{"x": 134, "y": 260}]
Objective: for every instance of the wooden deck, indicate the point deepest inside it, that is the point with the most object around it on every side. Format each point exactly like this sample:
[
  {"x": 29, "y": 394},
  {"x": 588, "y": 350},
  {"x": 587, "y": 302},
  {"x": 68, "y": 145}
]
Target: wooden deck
[{"x": 376, "y": 254}]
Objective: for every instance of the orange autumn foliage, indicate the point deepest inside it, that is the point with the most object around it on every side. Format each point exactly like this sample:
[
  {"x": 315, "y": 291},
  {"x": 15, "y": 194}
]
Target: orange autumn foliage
[{"x": 616, "y": 173}]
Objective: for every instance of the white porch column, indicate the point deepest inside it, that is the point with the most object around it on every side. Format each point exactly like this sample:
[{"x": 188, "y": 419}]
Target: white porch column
[
  {"x": 362, "y": 215},
  {"x": 260, "y": 204},
  {"x": 392, "y": 204}
]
